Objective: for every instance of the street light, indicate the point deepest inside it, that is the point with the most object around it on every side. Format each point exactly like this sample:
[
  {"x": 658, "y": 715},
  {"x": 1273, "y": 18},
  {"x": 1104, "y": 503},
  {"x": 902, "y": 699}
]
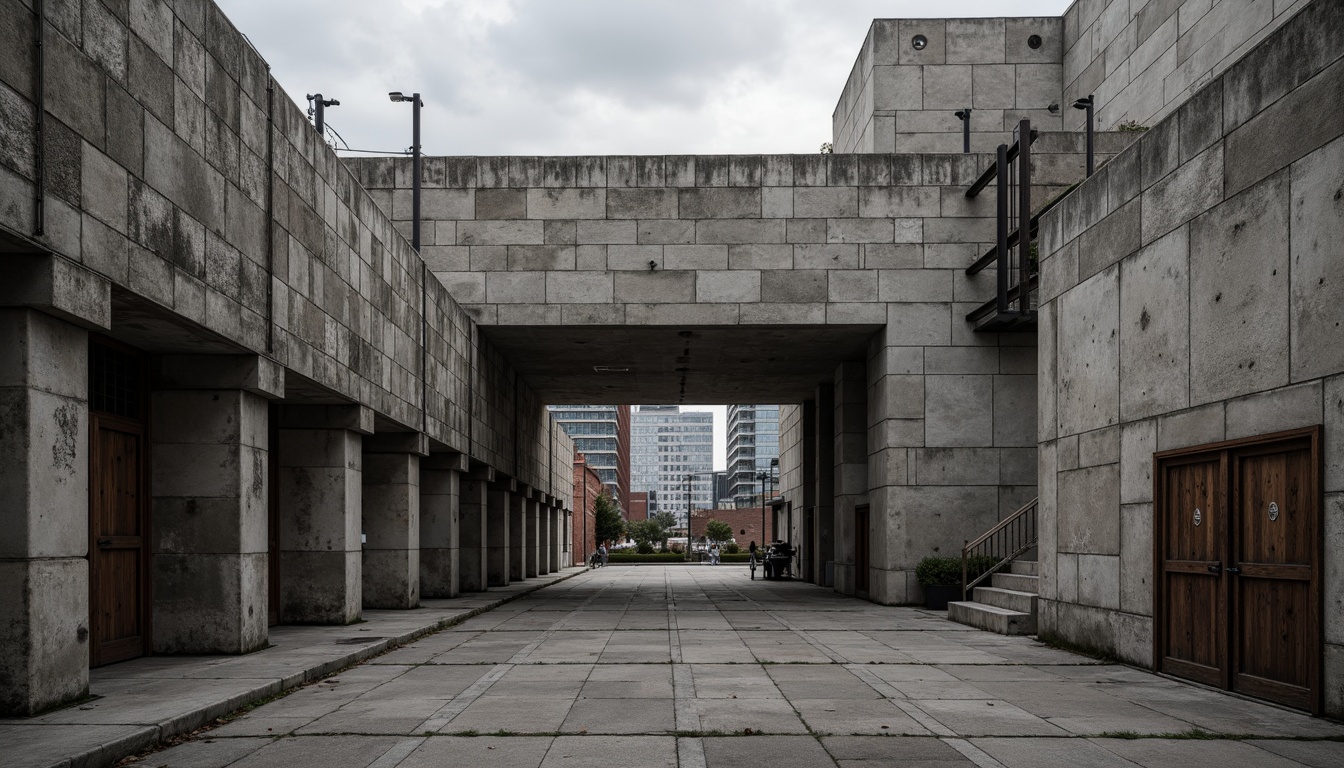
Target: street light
[
  {"x": 398, "y": 96},
  {"x": 1087, "y": 103},
  {"x": 774, "y": 478},
  {"x": 319, "y": 111}
]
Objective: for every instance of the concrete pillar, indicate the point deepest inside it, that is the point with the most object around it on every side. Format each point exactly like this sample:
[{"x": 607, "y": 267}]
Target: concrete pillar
[
  {"x": 824, "y": 435},
  {"x": 851, "y": 465},
  {"x": 471, "y": 522},
  {"x": 566, "y": 539},
  {"x": 439, "y": 489},
  {"x": 518, "y": 537},
  {"x": 807, "y": 523},
  {"x": 554, "y": 533},
  {"x": 321, "y": 495},
  {"x": 532, "y": 542},
  {"x": 391, "y": 520},
  {"x": 209, "y": 484},
  {"x": 498, "y": 503},
  {"x": 44, "y": 512},
  {"x": 544, "y": 539}
]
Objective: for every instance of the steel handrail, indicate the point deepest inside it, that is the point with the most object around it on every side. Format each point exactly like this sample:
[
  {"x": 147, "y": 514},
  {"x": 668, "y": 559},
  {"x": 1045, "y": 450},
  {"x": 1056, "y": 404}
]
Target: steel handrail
[{"x": 1024, "y": 542}]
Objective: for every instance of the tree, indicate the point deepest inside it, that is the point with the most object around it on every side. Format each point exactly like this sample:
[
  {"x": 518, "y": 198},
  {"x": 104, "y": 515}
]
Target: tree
[
  {"x": 645, "y": 532},
  {"x": 717, "y": 531},
  {"x": 666, "y": 520},
  {"x": 607, "y": 522}
]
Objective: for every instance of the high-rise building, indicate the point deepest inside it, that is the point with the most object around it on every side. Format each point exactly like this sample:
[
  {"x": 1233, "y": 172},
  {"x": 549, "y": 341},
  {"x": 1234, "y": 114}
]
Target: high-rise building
[
  {"x": 667, "y": 445},
  {"x": 602, "y": 434},
  {"x": 753, "y": 440}
]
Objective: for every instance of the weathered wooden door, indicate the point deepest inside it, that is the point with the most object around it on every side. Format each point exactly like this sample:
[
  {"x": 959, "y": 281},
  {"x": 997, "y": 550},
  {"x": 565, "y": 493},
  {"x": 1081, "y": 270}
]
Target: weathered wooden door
[
  {"x": 118, "y": 507},
  {"x": 1275, "y": 610},
  {"x": 861, "y": 540},
  {"x": 1194, "y": 629},
  {"x": 1238, "y": 601}
]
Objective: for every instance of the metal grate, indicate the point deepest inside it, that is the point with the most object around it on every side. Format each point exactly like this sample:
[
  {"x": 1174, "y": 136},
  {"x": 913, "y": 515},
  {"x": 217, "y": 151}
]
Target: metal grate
[{"x": 116, "y": 381}]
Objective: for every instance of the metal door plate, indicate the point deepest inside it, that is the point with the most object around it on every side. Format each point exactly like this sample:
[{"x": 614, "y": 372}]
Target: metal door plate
[
  {"x": 1199, "y": 517},
  {"x": 1273, "y": 511}
]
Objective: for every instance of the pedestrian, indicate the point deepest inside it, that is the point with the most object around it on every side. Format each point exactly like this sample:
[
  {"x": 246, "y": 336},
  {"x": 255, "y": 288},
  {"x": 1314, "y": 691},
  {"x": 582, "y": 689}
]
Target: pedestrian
[
  {"x": 714, "y": 554},
  {"x": 603, "y": 549}
]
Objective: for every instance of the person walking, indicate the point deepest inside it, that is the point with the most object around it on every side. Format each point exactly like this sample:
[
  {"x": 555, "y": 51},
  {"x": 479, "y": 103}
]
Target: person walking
[
  {"x": 714, "y": 554},
  {"x": 602, "y": 548},
  {"x": 751, "y": 561}
]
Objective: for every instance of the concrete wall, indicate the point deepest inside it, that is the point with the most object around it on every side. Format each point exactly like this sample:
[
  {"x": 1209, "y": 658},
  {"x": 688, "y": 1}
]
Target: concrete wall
[
  {"x": 1144, "y": 58},
  {"x": 1193, "y": 291},
  {"x": 899, "y": 99}
]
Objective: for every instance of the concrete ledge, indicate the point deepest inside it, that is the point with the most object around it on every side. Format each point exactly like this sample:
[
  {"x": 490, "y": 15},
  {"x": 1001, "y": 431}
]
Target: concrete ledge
[{"x": 141, "y": 703}]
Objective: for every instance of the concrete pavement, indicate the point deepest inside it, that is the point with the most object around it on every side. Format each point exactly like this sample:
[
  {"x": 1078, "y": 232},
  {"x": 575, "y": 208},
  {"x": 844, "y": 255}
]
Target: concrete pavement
[{"x": 699, "y": 666}]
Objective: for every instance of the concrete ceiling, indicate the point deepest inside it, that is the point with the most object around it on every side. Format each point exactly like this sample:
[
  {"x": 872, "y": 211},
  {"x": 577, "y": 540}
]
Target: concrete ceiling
[{"x": 678, "y": 365}]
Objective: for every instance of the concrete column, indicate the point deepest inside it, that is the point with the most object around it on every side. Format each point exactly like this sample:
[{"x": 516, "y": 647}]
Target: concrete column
[
  {"x": 209, "y": 484},
  {"x": 44, "y": 512},
  {"x": 554, "y": 533},
  {"x": 851, "y": 465},
  {"x": 544, "y": 539},
  {"x": 471, "y": 522},
  {"x": 518, "y": 537},
  {"x": 439, "y": 489},
  {"x": 391, "y": 521},
  {"x": 321, "y": 495},
  {"x": 824, "y": 435},
  {"x": 566, "y": 540},
  {"x": 498, "y": 504},
  {"x": 532, "y": 542}
]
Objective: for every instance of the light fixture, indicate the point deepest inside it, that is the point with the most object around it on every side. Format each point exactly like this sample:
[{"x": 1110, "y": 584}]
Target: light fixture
[
  {"x": 1034, "y": 42},
  {"x": 397, "y": 96},
  {"x": 1087, "y": 103},
  {"x": 964, "y": 116},
  {"x": 416, "y": 104},
  {"x": 919, "y": 42},
  {"x": 318, "y": 110}
]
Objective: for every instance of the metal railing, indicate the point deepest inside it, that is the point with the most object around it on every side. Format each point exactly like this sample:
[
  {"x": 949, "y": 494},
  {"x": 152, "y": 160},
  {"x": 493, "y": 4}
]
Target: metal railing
[
  {"x": 1005, "y": 542},
  {"x": 1012, "y": 308}
]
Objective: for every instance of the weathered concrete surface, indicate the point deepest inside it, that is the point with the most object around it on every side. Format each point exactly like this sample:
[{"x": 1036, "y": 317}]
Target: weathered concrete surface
[
  {"x": 390, "y": 511},
  {"x": 668, "y": 666}
]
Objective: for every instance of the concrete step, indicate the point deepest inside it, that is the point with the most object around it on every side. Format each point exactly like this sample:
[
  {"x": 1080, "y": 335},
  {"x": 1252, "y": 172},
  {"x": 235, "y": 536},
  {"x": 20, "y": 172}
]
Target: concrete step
[
  {"x": 992, "y": 618},
  {"x": 1025, "y": 602},
  {"x": 1023, "y": 567},
  {"x": 1016, "y": 581}
]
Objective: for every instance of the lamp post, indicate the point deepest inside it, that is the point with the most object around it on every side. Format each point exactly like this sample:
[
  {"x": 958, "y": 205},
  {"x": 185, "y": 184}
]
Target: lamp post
[
  {"x": 319, "y": 111},
  {"x": 774, "y": 478},
  {"x": 964, "y": 116},
  {"x": 761, "y": 476},
  {"x": 416, "y": 104},
  {"x": 1087, "y": 103}
]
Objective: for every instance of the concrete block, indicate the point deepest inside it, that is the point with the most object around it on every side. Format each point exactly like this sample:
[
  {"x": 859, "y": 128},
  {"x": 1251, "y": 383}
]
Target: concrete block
[
  {"x": 1191, "y": 189},
  {"x": 895, "y": 256},
  {"x": 719, "y": 203},
  {"x": 539, "y": 258},
  {"x": 923, "y": 324},
  {"x": 853, "y": 285},
  {"x": 1317, "y": 281},
  {"x": 1088, "y": 353},
  {"x": 830, "y": 257},
  {"x": 956, "y": 466},
  {"x": 510, "y": 232},
  {"x": 1155, "y": 328},
  {"x": 634, "y": 257},
  {"x": 825, "y": 202},
  {"x": 1138, "y": 443},
  {"x": 739, "y": 232},
  {"x": 1239, "y": 261},
  {"x": 320, "y": 587},
  {"x": 44, "y": 609},
  {"x": 891, "y": 41},
  {"x": 805, "y": 231},
  {"x": 555, "y": 203},
  {"x": 862, "y": 230},
  {"x": 1089, "y": 510},
  {"x": 994, "y": 86},
  {"x": 655, "y": 287},
  {"x": 1014, "y": 411},
  {"x": 1275, "y": 411},
  {"x": 1113, "y": 238},
  {"x": 1099, "y": 581},
  {"x": 705, "y": 314},
  {"x": 728, "y": 286},
  {"x": 209, "y": 603},
  {"x": 669, "y": 232},
  {"x": 1136, "y": 558},
  {"x": 939, "y": 360},
  {"x": 958, "y": 410},
  {"x": 556, "y": 233},
  {"x": 104, "y": 193},
  {"x": 579, "y": 288},
  {"x": 515, "y": 287},
  {"x": 1195, "y": 426},
  {"x": 777, "y": 202},
  {"x": 945, "y": 88},
  {"x": 756, "y": 256},
  {"x": 695, "y": 257},
  {"x": 795, "y": 286}
]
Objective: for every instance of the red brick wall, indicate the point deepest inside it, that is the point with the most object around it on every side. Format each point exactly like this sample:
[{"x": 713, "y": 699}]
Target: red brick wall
[
  {"x": 638, "y": 508},
  {"x": 746, "y": 523},
  {"x": 587, "y": 486}
]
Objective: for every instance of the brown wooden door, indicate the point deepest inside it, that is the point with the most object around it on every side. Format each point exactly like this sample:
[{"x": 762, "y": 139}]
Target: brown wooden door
[
  {"x": 1277, "y": 646},
  {"x": 861, "y": 540},
  {"x": 118, "y": 582},
  {"x": 1193, "y": 635}
]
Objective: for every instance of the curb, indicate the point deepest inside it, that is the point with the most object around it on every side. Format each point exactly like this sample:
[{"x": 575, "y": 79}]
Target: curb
[{"x": 151, "y": 736}]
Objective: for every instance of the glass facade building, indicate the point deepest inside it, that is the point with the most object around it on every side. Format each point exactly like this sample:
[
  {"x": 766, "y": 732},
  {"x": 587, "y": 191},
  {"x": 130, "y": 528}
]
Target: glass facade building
[
  {"x": 602, "y": 434},
  {"x": 753, "y": 441},
  {"x": 666, "y": 445}
]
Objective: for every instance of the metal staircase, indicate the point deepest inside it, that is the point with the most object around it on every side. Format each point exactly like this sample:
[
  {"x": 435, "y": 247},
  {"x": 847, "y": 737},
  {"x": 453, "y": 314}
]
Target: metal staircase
[{"x": 1008, "y": 604}]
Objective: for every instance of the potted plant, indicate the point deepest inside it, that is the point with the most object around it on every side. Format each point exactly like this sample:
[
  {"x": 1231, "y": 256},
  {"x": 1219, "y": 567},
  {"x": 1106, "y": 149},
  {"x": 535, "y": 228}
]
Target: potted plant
[{"x": 941, "y": 579}]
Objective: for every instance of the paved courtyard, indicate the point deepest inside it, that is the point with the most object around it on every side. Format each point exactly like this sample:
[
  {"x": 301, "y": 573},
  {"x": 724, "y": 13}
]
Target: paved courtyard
[{"x": 700, "y": 666}]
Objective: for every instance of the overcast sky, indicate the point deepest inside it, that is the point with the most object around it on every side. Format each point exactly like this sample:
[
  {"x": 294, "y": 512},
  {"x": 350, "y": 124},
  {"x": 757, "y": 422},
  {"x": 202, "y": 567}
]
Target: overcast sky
[
  {"x": 574, "y": 77},
  {"x": 582, "y": 77}
]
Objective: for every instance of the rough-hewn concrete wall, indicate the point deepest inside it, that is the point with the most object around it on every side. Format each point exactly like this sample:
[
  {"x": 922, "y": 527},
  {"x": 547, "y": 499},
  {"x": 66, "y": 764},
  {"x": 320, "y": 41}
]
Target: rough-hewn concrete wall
[
  {"x": 899, "y": 99},
  {"x": 165, "y": 177},
  {"x": 1193, "y": 291},
  {"x": 1143, "y": 58}
]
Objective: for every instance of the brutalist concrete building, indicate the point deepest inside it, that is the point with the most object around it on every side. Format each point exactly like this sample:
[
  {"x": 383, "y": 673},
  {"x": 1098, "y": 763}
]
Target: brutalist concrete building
[{"x": 234, "y": 395}]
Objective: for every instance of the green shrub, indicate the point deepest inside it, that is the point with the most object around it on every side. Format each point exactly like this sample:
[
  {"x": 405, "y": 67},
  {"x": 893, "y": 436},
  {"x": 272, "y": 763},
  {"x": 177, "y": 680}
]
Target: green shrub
[
  {"x": 731, "y": 548},
  {"x": 946, "y": 571},
  {"x": 655, "y": 557},
  {"x": 644, "y": 548}
]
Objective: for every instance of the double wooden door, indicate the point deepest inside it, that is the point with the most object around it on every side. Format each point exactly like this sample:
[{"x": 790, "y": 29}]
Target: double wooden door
[{"x": 1238, "y": 566}]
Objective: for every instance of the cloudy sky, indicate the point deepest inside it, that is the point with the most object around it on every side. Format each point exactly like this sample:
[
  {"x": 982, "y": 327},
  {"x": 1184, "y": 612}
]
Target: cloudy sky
[
  {"x": 571, "y": 77},
  {"x": 578, "y": 77}
]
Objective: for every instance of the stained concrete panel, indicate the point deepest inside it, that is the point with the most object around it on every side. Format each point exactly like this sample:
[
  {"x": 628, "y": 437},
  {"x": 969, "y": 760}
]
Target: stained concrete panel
[
  {"x": 1239, "y": 284},
  {"x": 1089, "y": 354},
  {"x": 1316, "y": 241},
  {"x": 1089, "y": 510},
  {"x": 1155, "y": 328}
]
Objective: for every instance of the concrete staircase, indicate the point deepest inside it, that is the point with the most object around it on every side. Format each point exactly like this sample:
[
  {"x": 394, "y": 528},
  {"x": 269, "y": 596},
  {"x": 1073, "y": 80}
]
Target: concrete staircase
[{"x": 1007, "y": 607}]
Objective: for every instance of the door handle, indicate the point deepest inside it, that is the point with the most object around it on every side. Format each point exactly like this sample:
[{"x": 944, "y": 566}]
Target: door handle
[
  {"x": 104, "y": 542},
  {"x": 1215, "y": 568},
  {"x": 1233, "y": 569}
]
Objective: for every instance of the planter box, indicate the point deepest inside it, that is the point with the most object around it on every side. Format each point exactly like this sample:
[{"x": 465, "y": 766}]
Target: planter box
[{"x": 937, "y": 597}]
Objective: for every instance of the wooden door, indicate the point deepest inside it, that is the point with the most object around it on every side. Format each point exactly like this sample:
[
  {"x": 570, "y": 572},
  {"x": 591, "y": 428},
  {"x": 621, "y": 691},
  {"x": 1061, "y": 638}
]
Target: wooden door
[
  {"x": 1275, "y": 611},
  {"x": 861, "y": 539},
  {"x": 1193, "y": 632},
  {"x": 118, "y": 582}
]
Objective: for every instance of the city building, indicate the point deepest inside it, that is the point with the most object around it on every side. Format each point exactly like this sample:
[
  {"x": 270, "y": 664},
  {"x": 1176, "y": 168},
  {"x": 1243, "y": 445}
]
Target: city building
[
  {"x": 588, "y": 485},
  {"x": 602, "y": 433},
  {"x": 753, "y": 443},
  {"x": 745, "y": 522},
  {"x": 672, "y": 450}
]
